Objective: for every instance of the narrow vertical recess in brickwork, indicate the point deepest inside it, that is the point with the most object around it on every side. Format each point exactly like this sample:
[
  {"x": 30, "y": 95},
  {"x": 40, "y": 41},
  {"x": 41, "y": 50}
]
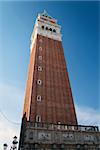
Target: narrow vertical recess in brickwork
[
  {"x": 53, "y": 78},
  {"x": 46, "y": 79},
  {"x": 45, "y": 88},
  {"x": 29, "y": 83},
  {"x": 34, "y": 89},
  {"x": 57, "y": 81},
  {"x": 72, "y": 114},
  {"x": 60, "y": 84},
  {"x": 67, "y": 106}
]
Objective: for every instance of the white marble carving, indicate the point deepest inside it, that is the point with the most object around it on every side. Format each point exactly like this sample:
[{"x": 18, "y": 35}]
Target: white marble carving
[
  {"x": 67, "y": 136},
  {"x": 44, "y": 136},
  {"x": 89, "y": 138}
]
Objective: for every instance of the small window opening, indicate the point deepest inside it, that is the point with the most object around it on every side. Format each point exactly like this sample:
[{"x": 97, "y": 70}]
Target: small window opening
[
  {"x": 38, "y": 118},
  {"x": 50, "y": 29},
  {"x": 46, "y": 28},
  {"x": 39, "y": 68},
  {"x": 43, "y": 27},
  {"x": 39, "y": 98},
  {"x": 39, "y": 82},
  {"x": 40, "y": 48},
  {"x": 54, "y": 30}
]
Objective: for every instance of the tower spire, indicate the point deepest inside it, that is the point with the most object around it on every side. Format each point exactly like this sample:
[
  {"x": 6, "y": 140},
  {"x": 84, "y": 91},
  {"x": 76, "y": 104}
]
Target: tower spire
[{"x": 46, "y": 14}]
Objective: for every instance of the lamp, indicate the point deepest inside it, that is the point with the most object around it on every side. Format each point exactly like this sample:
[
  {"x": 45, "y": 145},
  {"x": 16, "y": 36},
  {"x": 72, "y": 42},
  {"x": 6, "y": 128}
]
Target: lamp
[
  {"x": 14, "y": 142},
  {"x": 5, "y": 146}
]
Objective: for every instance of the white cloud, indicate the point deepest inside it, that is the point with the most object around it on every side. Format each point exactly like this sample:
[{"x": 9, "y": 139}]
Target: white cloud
[
  {"x": 88, "y": 116},
  {"x": 11, "y": 105},
  {"x": 11, "y": 101}
]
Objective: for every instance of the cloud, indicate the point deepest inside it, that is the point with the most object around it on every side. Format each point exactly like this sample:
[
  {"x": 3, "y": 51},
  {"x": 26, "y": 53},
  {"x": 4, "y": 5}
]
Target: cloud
[
  {"x": 88, "y": 116},
  {"x": 11, "y": 106},
  {"x": 11, "y": 101}
]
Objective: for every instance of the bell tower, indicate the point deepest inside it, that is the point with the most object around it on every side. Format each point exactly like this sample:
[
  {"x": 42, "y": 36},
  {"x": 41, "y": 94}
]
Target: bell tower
[
  {"x": 48, "y": 96},
  {"x": 49, "y": 118}
]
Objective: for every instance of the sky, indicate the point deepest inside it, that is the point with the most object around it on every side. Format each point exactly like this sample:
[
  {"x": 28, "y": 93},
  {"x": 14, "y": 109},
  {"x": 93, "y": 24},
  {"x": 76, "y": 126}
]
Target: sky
[{"x": 80, "y": 37}]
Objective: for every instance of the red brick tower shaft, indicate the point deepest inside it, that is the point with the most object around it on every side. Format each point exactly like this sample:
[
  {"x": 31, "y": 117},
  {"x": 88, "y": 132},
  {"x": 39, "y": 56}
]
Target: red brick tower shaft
[{"x": 48, "y": 96}]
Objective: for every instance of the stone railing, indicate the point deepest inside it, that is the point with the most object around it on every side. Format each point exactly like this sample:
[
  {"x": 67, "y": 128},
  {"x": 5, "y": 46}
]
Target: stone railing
[{"x": 63, "y": 127}]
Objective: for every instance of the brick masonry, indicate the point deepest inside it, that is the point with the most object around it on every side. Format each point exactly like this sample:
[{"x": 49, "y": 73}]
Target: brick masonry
[{"x": 57, "y": 102}]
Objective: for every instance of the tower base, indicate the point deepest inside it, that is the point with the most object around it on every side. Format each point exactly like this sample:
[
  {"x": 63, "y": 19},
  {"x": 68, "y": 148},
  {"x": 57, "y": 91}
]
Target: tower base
[{"x": 43, "y": 136}]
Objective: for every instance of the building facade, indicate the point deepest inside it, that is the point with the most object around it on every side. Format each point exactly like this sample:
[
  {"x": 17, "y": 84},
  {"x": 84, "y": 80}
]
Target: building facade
[{"x": 49, "y": 117}]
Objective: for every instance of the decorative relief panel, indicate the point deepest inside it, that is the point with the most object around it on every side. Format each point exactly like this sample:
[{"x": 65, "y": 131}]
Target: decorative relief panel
[
  {"x": 44, "y": 136},
  {"x": 31, "y": 135},
  {"x": 67, "y": 136},
  {"x": 89, "y": 138}
]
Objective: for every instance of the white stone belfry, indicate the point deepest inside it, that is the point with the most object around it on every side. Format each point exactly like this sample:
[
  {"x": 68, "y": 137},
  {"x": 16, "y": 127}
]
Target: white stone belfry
[{"x": 46, "y": 26}]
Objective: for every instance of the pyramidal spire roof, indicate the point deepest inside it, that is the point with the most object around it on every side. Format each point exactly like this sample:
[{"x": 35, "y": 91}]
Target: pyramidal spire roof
[{"x": 45, "y": 14}]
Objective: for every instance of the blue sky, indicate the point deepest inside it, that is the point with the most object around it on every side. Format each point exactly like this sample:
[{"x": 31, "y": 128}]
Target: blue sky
[{"x": 80, "y": 30}]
